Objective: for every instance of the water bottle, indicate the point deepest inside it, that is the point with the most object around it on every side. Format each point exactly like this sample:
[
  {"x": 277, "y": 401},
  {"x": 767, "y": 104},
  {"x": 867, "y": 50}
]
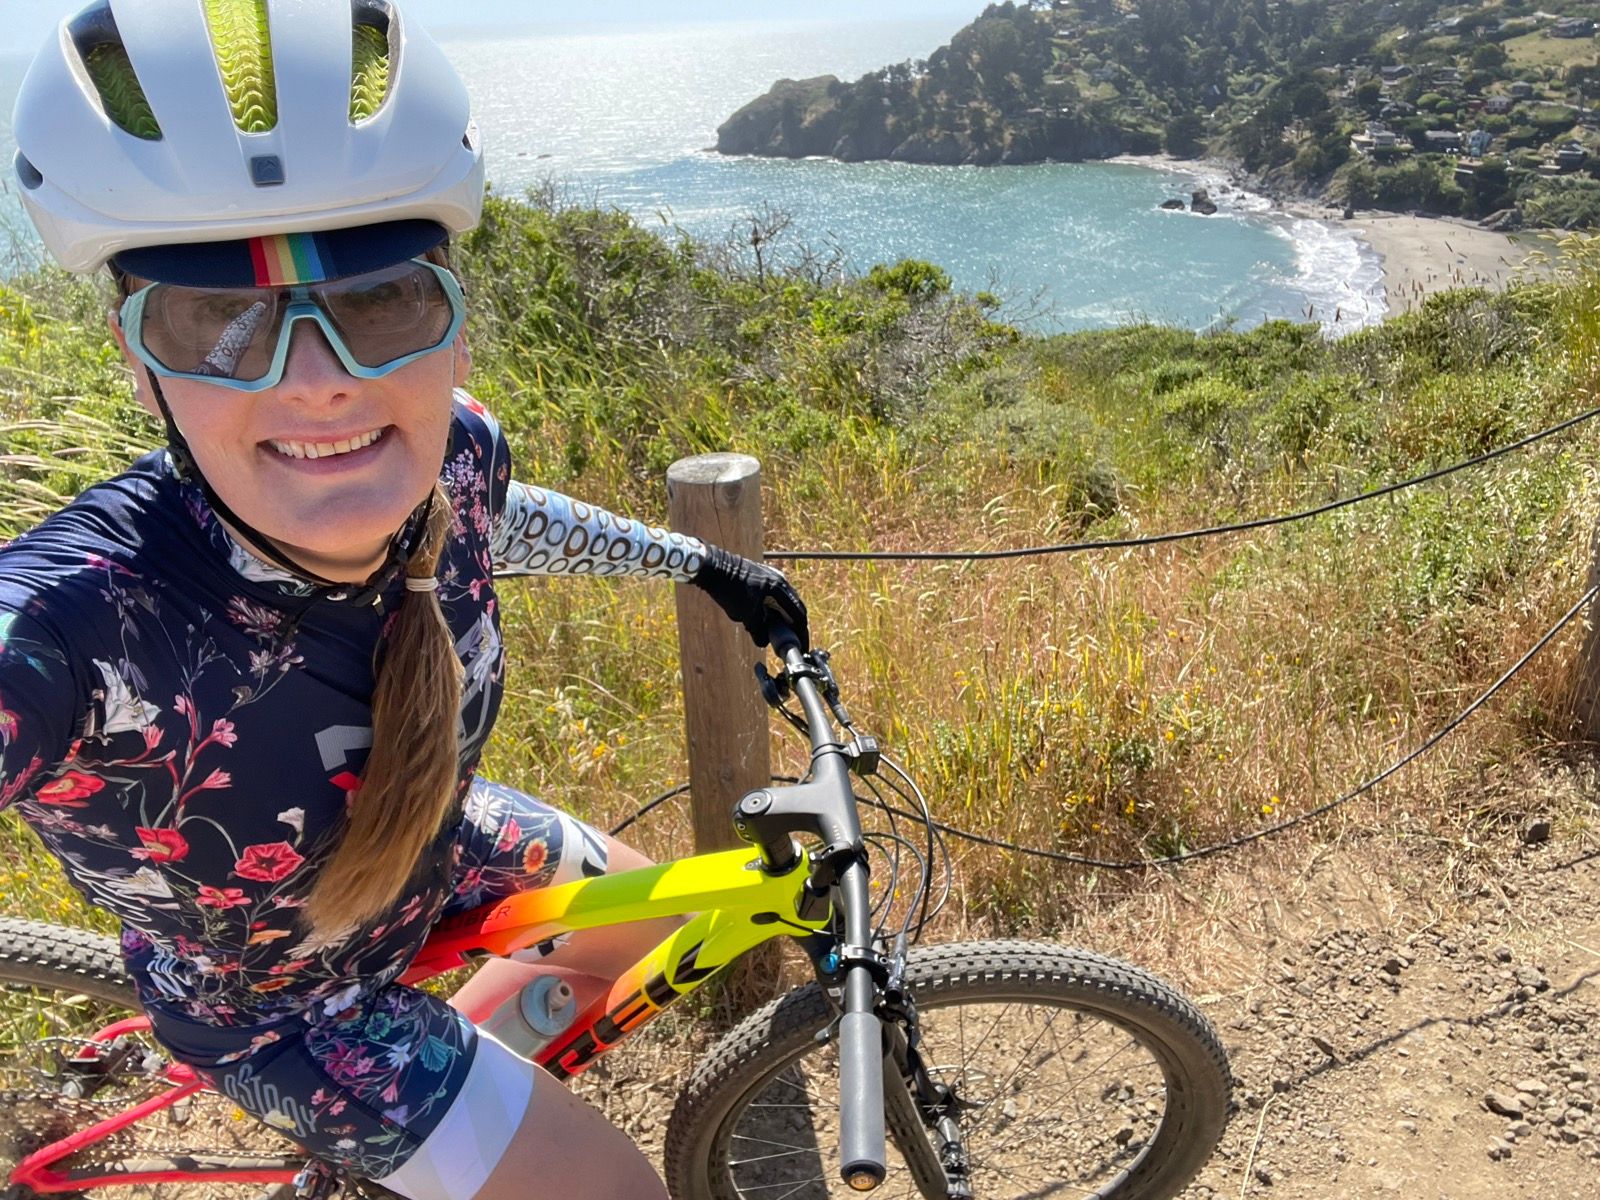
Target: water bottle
[{"x": 534, "y": 1016}]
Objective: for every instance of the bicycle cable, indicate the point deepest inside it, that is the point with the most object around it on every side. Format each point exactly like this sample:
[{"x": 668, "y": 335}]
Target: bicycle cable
[{"x": 1159, "y": 539}]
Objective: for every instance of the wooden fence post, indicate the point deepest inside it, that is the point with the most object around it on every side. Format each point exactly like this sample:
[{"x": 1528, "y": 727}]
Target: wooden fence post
[{"x": 717, "y": 498}]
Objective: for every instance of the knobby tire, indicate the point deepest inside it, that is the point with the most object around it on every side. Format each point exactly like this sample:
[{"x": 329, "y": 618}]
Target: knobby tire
[{"x": 1081, "y": 1077}]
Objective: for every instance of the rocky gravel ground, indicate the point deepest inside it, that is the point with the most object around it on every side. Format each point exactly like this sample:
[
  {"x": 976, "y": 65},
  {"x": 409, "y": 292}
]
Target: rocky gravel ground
[
  {"x": 1457, "y": 1061},
  {"x": 1397, "y": 1026}
]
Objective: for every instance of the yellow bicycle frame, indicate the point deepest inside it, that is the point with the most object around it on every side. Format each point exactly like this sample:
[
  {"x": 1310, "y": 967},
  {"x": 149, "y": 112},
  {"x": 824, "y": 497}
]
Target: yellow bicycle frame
[{"x": 733, "y": 903}]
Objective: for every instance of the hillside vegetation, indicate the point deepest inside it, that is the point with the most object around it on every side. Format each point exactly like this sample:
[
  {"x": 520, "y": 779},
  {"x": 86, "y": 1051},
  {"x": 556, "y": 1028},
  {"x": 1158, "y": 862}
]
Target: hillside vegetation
[
  {"x": 1123, "y": 703},
  {"x": 1403, "y": 104}
]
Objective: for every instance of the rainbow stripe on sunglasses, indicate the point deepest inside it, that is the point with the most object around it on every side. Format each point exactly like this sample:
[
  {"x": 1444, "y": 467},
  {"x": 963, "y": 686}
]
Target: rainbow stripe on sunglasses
[{"x": 285, "y": 259}]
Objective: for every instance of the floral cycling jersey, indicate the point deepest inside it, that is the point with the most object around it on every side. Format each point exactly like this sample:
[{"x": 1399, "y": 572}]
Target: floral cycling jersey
[{"x": 183, "y": 724}]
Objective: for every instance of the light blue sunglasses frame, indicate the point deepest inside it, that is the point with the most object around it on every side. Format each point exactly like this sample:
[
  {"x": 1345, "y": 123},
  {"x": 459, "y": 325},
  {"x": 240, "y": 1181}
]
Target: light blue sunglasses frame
[{"x": 301, "y": 308}]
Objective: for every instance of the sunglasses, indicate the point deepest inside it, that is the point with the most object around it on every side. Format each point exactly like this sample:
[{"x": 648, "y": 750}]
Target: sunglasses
[{"x": 239, "y": 337}]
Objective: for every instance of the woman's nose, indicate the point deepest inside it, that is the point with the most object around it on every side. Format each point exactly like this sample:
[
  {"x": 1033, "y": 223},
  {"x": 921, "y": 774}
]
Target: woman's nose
[{"x": 311, "y": 365}]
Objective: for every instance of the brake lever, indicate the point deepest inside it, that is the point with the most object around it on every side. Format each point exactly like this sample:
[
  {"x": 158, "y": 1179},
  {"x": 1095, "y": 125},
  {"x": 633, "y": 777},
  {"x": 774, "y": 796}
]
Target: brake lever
[{"x": 775, "y": 689}]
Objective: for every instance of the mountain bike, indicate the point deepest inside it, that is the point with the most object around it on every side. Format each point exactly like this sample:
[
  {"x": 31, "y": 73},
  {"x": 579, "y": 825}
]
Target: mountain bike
[{"x": 969, "y": 1069}]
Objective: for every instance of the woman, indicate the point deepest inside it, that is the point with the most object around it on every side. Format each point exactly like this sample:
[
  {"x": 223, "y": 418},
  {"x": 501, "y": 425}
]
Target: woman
[{"x": 244, "y": 685}]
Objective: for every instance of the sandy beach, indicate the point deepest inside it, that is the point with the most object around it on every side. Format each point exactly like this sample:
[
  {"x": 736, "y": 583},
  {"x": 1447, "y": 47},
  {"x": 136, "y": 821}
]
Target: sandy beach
[
  {"x": 1419, "y": 255},
  {"x": 1423, "y": 255}
]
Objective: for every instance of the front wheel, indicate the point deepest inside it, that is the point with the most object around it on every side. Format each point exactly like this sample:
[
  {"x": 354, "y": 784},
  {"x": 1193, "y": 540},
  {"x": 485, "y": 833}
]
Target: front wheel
[{"x": 1073, "y": 1075}]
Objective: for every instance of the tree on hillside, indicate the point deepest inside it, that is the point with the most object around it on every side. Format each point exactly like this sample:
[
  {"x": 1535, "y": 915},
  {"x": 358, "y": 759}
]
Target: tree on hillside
[
  {"x": 1490, "y": 56},
  {"x": 1184, "y": 136}
]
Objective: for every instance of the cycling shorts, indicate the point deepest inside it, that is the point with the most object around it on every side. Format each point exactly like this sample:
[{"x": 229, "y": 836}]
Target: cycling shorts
[{"x": 366, "y": 1086}]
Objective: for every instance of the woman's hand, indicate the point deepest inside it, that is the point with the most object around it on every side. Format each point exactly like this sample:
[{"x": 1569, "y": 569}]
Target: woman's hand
[{"x": 752, "y": 594}]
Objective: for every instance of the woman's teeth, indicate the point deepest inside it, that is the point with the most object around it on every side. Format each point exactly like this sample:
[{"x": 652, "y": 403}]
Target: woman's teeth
[{"x": 325, "y": 449}]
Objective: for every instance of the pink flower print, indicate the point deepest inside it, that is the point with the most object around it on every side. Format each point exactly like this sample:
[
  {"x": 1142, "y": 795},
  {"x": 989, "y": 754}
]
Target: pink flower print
[
  {"x": 220, "y": 897},
  {"x": 255, "y": 619},
  {"x": 471, "y": 880},
  {"x": 347, "y": 1064},
  {"x": 70, "y": 789},
  {"x": 268, "y": 862},
  {"x": 218, "y": 780},
  {"x": 510, "y": 835},
  {"x": 152, "y": 737},
  {"x": 222, "y": 733},
  {"x": 185, "y": 707},
  {"x": 162, "y": 845}
]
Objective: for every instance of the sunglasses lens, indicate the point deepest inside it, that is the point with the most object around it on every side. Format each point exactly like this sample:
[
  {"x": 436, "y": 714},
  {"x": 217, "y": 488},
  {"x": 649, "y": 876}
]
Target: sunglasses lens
[
  {"x": 217, "y": 333},
  {"x": 233, "y": 333},
  {"x": 389, "y": 314}
]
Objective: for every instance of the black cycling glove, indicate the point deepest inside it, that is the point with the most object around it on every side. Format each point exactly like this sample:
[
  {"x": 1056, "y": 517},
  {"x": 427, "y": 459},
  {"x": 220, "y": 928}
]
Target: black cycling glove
[{"x": 751, "y": 593}]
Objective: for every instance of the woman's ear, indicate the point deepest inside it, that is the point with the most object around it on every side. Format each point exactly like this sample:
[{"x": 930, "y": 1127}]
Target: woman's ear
[{"x": 141, "y": 374}]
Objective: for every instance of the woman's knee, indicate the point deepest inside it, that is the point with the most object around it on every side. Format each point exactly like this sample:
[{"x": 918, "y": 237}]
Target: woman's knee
[{"x": 561, "y": 1137}]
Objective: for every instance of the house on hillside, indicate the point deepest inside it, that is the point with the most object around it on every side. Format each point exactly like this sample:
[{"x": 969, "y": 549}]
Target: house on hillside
[
  {"x": 1478, "y": 142},
  {"x": 1499, "y": 104},
  {"x": 1570, "y": 156},
  {"x": 1396, "y": 74},
  {"x": 1442, "y": 141},
  {"x": 1446, "y": 76},
  {"x": 1379, "y": 141},
  {"x": 1571, "y": 27},
  {"x": 1521, "y": 90}
]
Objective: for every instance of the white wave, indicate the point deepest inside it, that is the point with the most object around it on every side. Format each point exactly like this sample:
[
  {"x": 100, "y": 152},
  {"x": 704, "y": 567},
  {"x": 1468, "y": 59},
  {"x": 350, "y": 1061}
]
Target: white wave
[{"x": 1340, "y": 276}]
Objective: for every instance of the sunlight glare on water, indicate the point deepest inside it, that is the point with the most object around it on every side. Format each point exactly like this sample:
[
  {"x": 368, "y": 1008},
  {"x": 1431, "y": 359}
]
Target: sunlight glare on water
[{"x": 623, "y": 117}]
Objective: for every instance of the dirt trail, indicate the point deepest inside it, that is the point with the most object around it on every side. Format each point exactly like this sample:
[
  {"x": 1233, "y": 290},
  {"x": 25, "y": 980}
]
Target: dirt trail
[{"x": 1383, "y": 1049}]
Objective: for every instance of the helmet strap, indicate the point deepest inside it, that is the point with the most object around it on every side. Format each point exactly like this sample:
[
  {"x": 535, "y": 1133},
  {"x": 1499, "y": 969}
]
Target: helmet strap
[{"x": 401, "y": 546}]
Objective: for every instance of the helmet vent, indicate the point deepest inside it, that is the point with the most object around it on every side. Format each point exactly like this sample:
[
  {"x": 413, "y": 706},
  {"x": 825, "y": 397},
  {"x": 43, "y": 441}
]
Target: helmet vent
[
  {"x": 371, "y": 57},
  {"x": 99, "y": 45},
  {"x": 243, "y": 46},
  {"x": 28, "y": 173}
]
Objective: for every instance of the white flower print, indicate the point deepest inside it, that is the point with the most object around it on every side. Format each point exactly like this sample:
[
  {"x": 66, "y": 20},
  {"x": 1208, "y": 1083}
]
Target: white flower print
[
  {"x": 124, "y": 711},
  {"x": 341, "y": 1000},
  {"x": 486, "y": 808},
  {"x": 295, "y": 818},
  {"x": 258, "y": 571},
  {"x": 479, "y": 650},
  {"x": 144, "y": 882}
]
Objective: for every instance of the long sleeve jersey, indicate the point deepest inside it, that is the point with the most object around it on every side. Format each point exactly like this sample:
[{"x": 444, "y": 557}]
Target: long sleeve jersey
[{"x": 183, "y": 724}]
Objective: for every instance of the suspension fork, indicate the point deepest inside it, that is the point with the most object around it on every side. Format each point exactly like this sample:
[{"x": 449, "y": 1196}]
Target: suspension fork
[{"x": 921, "y": 1112}]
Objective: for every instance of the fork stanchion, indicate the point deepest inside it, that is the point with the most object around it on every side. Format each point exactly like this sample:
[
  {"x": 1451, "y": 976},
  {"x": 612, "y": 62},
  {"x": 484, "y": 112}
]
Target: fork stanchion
[{"x": 717, "y": 498}]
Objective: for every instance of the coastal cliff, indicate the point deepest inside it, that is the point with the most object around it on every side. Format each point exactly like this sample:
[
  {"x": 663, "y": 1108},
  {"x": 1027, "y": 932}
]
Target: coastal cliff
[
  {"x": 1416, "y": 108},
  {"x": 823, "y": 117}
]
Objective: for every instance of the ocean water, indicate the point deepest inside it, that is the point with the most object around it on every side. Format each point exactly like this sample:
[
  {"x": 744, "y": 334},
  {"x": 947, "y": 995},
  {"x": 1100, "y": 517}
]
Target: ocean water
[{"x": 624, "y": 116}]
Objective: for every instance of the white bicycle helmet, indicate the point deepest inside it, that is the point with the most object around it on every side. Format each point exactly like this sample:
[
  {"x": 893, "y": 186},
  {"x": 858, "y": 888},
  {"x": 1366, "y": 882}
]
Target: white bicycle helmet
[{"x": 147, "y": 123}]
